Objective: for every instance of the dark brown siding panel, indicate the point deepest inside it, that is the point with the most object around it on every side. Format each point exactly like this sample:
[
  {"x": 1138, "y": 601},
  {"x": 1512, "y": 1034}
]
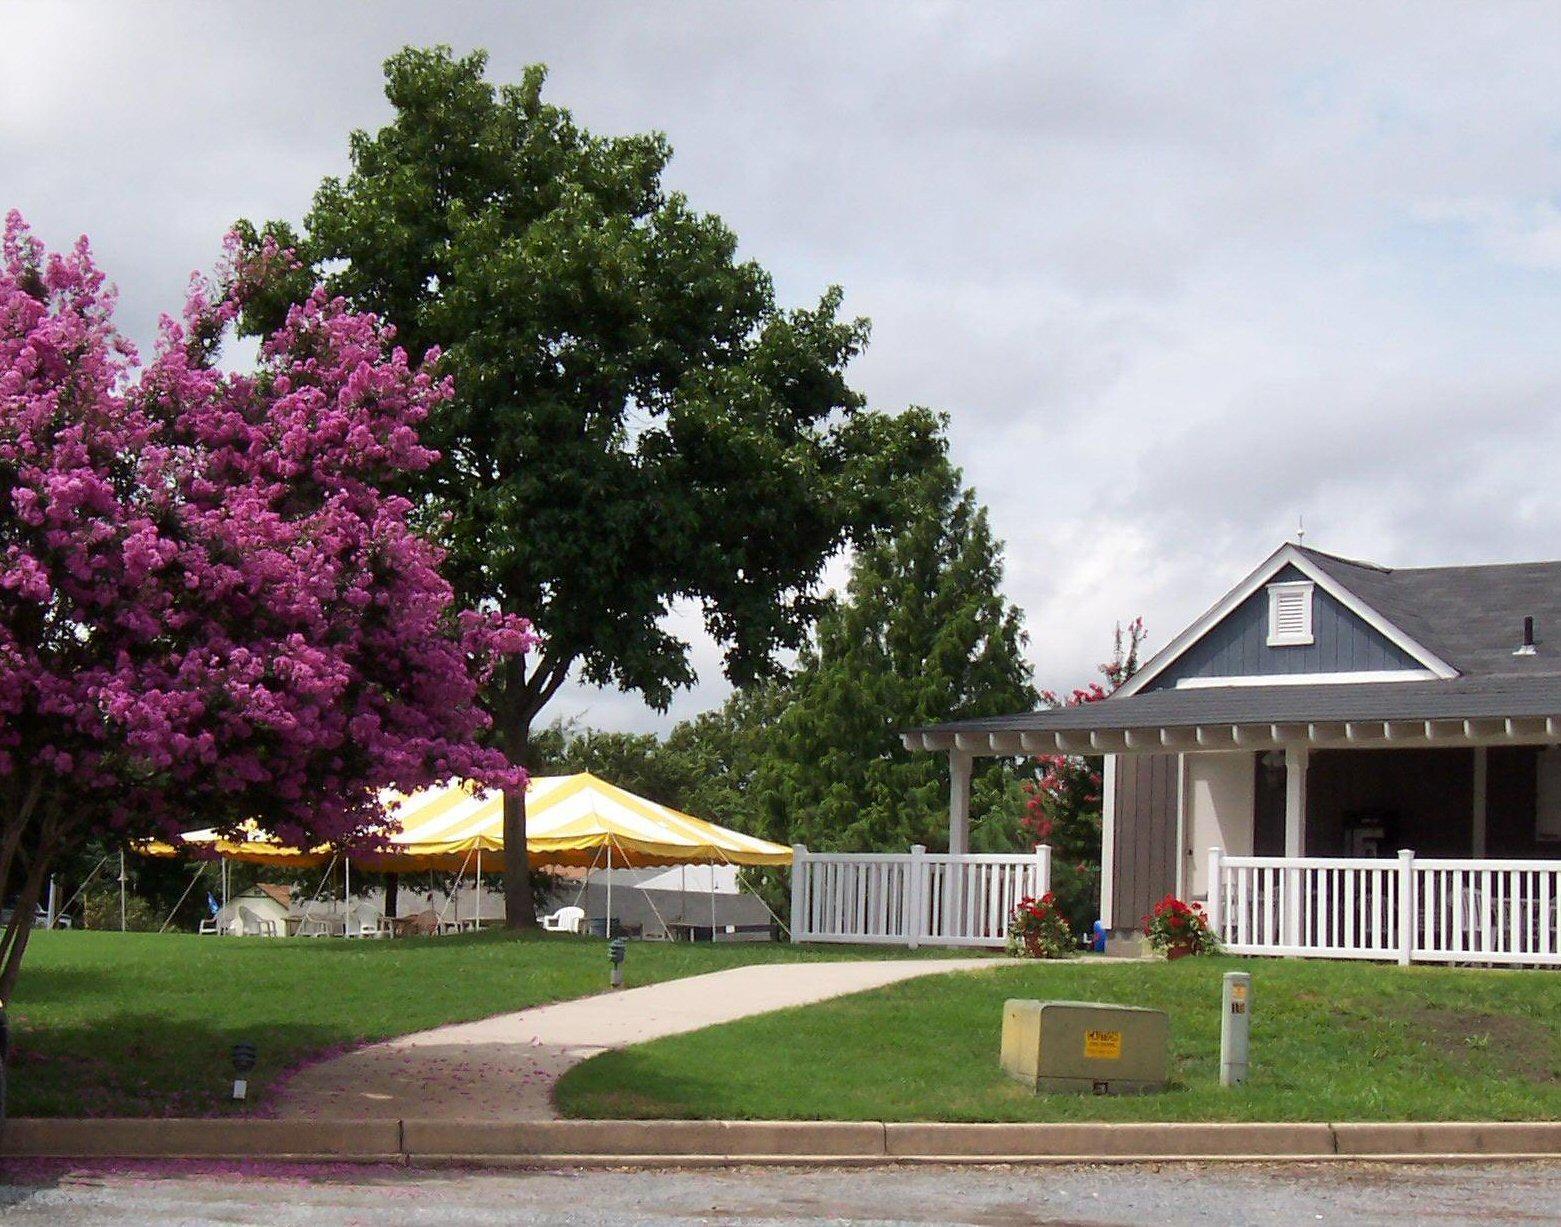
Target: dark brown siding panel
[{"x": 1144, "y": 865}]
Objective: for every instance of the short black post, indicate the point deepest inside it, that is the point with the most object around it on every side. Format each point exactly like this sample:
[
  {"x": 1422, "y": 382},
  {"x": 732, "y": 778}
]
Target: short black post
[{"x": 244, "y": 1055}]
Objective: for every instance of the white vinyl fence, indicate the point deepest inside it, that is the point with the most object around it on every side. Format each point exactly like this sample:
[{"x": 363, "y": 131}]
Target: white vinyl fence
[
  {"x": 1410, "y": 909},
  {"x": 913, "y": 898}
]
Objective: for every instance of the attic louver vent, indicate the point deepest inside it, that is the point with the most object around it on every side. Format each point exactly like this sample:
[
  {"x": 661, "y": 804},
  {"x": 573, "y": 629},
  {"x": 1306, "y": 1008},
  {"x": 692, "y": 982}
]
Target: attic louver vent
[{"x": 1289, "y": 614}]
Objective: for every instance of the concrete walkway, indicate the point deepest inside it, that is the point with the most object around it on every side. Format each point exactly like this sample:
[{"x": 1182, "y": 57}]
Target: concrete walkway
[{"x": 504, "y": 1068}]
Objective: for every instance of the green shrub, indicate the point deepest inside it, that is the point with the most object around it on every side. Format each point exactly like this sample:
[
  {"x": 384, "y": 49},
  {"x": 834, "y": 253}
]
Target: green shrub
[{"x": 100, "y": 910}]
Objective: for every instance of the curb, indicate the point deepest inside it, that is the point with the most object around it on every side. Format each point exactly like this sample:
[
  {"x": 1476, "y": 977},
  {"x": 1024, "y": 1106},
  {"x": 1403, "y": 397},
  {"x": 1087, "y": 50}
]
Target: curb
[{"x": 439, "y": 1143}]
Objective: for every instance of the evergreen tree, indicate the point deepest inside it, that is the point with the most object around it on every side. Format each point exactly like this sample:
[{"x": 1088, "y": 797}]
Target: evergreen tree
[{"x": 923, "y": 635}]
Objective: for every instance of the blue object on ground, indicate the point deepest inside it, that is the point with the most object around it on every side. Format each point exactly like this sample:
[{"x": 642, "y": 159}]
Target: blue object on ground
[{"x": 1099, "y": 943}]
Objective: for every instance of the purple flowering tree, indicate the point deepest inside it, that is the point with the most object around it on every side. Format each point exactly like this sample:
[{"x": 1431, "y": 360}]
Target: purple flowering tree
[{"x": 211, "y": 610}]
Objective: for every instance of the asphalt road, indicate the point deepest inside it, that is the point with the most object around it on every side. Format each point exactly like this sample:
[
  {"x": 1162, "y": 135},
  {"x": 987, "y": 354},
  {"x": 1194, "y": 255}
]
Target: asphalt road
[{"x": 992, "y": 1196}]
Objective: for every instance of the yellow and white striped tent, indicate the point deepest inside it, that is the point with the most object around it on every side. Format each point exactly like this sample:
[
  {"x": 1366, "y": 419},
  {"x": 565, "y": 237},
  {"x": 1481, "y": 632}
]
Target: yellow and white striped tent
[
  {"x": 249, "y": 844},
  {"x": 571, "y": 820},
  {"x": 577, "y": 820}
]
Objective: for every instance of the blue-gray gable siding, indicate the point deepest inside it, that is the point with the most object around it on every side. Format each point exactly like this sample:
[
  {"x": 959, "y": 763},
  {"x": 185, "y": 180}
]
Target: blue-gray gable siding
[{"x": 1237, "y": 645}]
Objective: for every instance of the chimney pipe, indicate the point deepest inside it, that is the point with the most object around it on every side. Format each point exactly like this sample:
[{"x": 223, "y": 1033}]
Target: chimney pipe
[{"x": 1527, "y": 648}]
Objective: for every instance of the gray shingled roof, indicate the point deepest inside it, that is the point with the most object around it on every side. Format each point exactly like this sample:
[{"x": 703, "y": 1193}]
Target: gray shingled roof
[
  {"x": 1472, "y": 617},
  {"x": 1454, "y": 699}
]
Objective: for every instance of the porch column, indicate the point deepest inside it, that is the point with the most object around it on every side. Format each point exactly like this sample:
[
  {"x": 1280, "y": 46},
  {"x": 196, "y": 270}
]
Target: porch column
[
  {"x": 959, "y": 802},
  {"x": 1477, "y": 823},
  {"x": 1295, "y": 838},
  {"x": 1295, "y": 800}
]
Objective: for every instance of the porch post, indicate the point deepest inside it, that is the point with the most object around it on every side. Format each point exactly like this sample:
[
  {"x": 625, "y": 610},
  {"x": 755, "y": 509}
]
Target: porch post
[
  {"x": 1216, "y": 895},
  {"x": 799, "y": 896},
  {"x": 1295, "y": 800},
  {"x": 1408, "y": 907},
  {"x": 1295, "y": 839},
  {"x": 959, "y": 802},
  {"x": 915, "y": 897},
  {"x": 1477, "y": 824},
  {"x": 1108, "y": 840}
]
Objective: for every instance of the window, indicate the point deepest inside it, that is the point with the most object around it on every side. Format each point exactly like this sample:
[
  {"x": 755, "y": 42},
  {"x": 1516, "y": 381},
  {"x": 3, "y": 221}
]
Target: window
[{"x": 1289, "y": 614}]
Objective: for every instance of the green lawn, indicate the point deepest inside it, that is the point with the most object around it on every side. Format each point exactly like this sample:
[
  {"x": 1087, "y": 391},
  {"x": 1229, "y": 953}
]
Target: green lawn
[
  {"x": 1330, "y": 1041},
  {"x": 139, "y": 1024}
]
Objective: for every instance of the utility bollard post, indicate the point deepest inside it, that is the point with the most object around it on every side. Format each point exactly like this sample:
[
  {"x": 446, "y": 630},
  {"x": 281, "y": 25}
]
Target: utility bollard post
[
  {"x": 244, "y": 1055},
  {"x": 1235, "y": 1027},
  {"x": 616, "y": 949}
]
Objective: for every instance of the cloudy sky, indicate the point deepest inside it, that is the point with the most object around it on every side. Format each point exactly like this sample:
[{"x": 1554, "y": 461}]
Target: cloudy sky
[{"x": 1179, "y": 272}]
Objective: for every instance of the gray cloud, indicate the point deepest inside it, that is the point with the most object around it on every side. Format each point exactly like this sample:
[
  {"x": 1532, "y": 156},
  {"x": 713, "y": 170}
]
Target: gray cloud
[{"x": 1178, "y": 272}]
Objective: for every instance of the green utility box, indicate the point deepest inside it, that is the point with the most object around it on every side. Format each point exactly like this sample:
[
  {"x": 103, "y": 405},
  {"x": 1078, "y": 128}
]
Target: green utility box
[{"x": 1084, "y": 1046}]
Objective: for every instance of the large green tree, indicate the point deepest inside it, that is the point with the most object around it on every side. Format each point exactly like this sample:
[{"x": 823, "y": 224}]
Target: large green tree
[
  {"x": 923, "y": 634},
  {"x": 636, "y": 420}
]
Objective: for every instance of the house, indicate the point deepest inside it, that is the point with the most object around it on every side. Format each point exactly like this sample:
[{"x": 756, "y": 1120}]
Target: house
[{"x": 1338, "y": 758}]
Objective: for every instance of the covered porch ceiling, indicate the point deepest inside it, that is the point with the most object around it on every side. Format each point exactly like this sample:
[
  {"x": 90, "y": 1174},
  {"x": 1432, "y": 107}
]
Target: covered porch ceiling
[{"x": 1472, "y": 712}]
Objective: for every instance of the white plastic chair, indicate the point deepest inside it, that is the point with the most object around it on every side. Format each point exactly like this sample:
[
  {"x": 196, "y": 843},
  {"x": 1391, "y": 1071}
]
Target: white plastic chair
[
  {"x": 209, "y": 925},
  {"x": 565, "y": 920},
  {"x": 367, "y": 926}
]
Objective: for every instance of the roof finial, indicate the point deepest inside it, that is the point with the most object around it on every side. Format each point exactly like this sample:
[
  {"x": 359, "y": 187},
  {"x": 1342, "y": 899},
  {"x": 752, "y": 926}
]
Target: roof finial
[{"x": 1300, "y": 529}]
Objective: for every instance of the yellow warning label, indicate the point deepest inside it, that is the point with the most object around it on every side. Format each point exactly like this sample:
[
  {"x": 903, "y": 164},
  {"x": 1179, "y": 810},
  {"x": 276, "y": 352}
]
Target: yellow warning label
[
  {"x": 1103, "y": 1045},
  {"x": 1238, "y": 991}
]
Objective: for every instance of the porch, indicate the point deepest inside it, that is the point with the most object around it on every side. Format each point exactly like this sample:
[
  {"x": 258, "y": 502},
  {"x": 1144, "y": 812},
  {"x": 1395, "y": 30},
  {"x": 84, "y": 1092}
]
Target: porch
[
  {"x": 1418, "y": 855},
  {"x": 1399, "y": 838}
]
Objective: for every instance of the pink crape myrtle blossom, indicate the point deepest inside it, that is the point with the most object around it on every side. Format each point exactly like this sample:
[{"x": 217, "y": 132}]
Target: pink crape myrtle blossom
[{"x": 213, "y": 607}]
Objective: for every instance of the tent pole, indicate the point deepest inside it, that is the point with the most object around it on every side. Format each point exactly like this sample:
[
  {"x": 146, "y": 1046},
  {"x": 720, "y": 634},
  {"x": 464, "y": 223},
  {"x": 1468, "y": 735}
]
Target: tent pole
[
  {"x": 607, "y": 931},
  {"x": 199, "y": 869},
  {"x": 121, "y": 892},
  {"x": 479, "y": 889},
  {"x": 346, "y": 903},
  {"x": 711, "y": 868}
]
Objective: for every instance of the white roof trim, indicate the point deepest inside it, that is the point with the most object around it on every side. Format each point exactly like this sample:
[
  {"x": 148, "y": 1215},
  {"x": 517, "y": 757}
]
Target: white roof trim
[
  {"x": 1307, "y": 679},
  {"x": 1285, "y": 556},
  {"x": 1221, "y": 736}
]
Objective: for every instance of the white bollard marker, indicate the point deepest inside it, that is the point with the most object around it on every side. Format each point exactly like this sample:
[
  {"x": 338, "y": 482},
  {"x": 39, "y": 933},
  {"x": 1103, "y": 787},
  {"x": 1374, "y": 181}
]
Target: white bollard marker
[{"x": 1235, "y": 1027}]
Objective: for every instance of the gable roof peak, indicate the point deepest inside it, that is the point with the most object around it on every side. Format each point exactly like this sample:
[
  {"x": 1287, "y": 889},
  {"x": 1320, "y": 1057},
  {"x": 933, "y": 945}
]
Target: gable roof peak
[
  {"x": 1341, "y": 578},
  {"x": 1324, "y": 555}
]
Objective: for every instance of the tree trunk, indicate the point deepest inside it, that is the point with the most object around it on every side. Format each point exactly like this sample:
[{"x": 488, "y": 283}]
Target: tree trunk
[
  {"x": 14, "y": 944},
  {"x": 392, "y": 893},
  {"x": 519, "y": 908}
]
